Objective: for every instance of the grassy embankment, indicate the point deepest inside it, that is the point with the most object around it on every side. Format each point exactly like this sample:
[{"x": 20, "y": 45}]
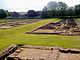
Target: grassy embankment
[{"x": 18, "y": 35}]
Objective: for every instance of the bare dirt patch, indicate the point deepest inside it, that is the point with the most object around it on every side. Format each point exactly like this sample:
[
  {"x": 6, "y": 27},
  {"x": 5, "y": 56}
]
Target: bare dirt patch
[{"x": 5, "y": 27}]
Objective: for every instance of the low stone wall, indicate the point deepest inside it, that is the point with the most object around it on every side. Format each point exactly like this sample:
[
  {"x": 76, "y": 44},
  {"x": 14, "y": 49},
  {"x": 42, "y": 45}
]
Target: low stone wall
[{"x": 7, "y": 51}]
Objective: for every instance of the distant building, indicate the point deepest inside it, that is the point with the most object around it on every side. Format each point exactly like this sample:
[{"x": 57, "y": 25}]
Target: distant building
[{"x": 22, "y": 13}]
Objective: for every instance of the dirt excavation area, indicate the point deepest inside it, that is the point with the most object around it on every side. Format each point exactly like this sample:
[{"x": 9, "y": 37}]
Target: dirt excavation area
[
  {"x": 63, "y": 27},
  {"x": 40, "y": 53},
  {"x": 16, "y": 23}
]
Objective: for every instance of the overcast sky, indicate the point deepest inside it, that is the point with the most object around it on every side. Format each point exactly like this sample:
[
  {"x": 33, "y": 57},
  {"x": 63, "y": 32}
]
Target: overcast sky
[{"x": 25, "y": 5}]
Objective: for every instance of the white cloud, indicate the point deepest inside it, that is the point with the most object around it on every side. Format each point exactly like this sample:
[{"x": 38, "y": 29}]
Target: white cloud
[
  {"x": 72, "y": 2},
  {"x": 24, "y": 5}
]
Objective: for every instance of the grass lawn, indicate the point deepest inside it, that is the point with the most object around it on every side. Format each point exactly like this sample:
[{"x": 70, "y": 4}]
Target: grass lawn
[{"x": 18, "y": 35}]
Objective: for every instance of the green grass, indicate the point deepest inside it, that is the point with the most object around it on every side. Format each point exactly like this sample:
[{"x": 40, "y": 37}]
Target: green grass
[{"x": 18, "y": 35}]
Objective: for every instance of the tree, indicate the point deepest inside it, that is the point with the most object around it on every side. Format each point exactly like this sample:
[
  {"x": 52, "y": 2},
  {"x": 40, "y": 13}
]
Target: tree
[
  {"x": 59, "y": 9},
  {"x": 52, "y": 8},
  {"x": 31, "y": 13},
  {"x": 53, "y": 5},
  {"x": 15, "y": 14},
  {"x": 62, "y": 8},
  {"x": 62, "y": 5},
  {"x": 56, "y": 9},
  {"x": 50, "y": 14},
  {"x": 8, "y": 13},
  {"x": 77, "y": 9},
  {"x": 70, "y": 11},
  {"x": 38, "y": 13},
  {"x": 44, "y": 13},
  {"x": 3, "y": 14}
]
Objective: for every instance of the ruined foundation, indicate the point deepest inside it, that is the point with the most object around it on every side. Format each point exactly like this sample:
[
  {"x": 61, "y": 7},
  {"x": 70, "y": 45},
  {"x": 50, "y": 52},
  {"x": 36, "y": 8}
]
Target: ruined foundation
[
  {"x": 11, "y": 24},
  {"x": 63, "y": 27},
  {"x": 41, "y": 53}
]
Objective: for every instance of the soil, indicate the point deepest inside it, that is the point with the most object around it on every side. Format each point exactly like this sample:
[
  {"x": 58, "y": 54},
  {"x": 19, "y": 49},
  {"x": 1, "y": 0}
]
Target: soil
[
  {"x": 44, "y": 31},
  {"x": 63, "y": 27},
  {"x": 5, "y": 27}
]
